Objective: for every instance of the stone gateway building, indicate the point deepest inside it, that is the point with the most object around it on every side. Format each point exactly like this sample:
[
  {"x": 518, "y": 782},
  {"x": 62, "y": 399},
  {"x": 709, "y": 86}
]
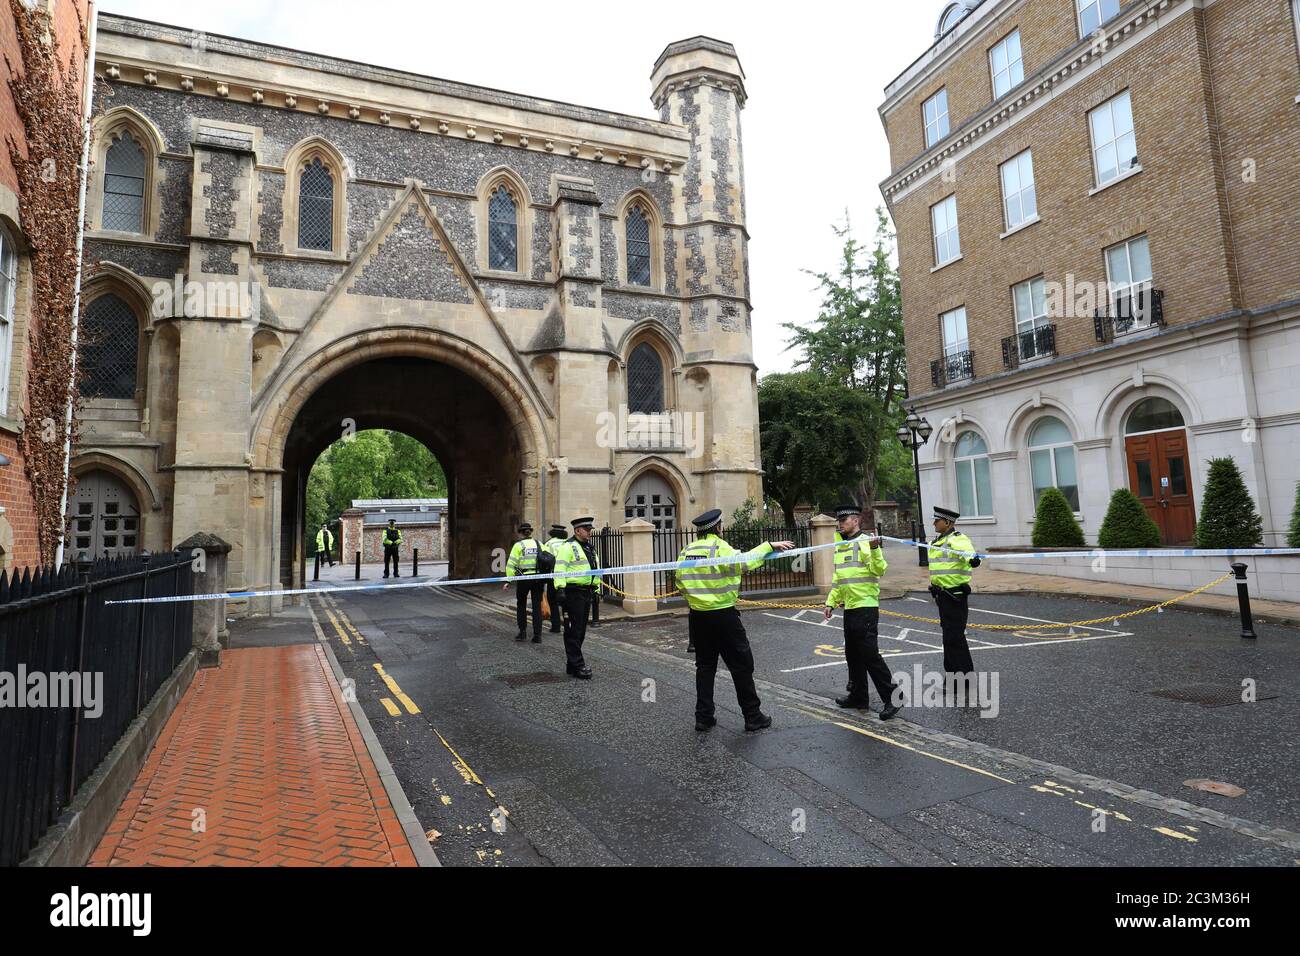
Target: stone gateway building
[{"x": 288, "y": 247}]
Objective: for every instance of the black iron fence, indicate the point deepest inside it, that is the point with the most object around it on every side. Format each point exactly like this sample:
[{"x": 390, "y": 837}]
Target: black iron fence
[
  {"x": 1131, "y": 311},
  {"x": 1028, "y": 345},
  {"x": 775, "y": 575},
  {"x": 81, "y": 672},
  {"x": 953, "y": 367}
]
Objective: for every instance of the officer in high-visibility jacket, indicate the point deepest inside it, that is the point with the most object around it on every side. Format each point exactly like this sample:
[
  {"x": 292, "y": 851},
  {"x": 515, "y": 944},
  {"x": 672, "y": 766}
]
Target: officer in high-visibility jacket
[
  {"x": 859, "y": 565},
  {"x": 715, "y": 628},
  {"x": 523, "y": 560},
  {"x": 575, "y": 559},
  {"x": 325, "y": 545},
  {"x": 558, "y": 536},
  {"x": 950, "y": 587},
  {"x": 392, "y": 540}
]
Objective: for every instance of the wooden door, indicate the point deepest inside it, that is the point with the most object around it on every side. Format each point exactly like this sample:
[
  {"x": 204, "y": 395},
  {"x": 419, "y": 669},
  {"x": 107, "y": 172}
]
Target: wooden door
[{"x": 1158, "y": 474}]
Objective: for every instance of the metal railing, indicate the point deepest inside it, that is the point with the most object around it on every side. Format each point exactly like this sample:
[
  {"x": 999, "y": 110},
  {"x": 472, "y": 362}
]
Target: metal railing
[
  {"x": 57, "y": 626},
  {"x": 954, "y": 367},
  {"x": 1144, "y": 308},
  {"x": 1028, "y": 345}
]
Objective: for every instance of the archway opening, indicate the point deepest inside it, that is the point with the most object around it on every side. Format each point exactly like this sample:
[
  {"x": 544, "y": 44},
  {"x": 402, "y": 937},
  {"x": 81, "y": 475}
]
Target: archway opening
[{"x": 459, "y": 423}]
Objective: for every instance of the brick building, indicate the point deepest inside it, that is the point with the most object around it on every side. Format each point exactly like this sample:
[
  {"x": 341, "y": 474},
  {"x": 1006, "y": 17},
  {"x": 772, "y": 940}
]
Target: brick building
[
  {"x": 552, "y": 298},
  {"x": 18, "y": 542},
  {"x": 1096, "y": 207},
  {"x": 420, "y": 520}
]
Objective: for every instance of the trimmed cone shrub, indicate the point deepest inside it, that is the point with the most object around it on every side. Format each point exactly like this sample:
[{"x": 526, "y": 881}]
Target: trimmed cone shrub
[
  {"x": 1293, "y": 533},
  {"x": 1054, "y": 524},
  {"x": 1127, "y": 523},
  {"x": 1228, "y": 515}
]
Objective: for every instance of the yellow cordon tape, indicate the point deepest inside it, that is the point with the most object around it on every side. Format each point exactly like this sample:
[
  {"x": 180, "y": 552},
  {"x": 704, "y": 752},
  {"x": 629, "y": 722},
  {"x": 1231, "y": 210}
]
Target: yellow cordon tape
[{"x": 983, "y": 627}]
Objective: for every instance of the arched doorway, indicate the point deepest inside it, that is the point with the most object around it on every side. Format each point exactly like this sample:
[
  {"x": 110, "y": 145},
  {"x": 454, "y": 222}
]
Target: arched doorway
[
  {"x": 451, "y": 413},
  {"x": 105, "y": 518},
  {"x": 652, "y": 499},
  {"x": 1155, "y": 446}
]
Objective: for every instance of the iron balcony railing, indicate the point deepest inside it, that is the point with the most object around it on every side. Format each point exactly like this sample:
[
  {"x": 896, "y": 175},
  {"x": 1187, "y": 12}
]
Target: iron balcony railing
[
  {"x": 1131, "y": 312},
  {"x": 953, "y": 367},
  {"x": 1028, "y": 345}
]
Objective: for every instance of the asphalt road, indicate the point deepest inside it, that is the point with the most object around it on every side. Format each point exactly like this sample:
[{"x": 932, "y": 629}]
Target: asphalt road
[{"x": 1078, "y": 761}]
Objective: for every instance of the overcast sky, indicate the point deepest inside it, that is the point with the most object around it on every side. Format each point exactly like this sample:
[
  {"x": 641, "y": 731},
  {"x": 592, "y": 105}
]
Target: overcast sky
[{"x": 815, "y": 76}]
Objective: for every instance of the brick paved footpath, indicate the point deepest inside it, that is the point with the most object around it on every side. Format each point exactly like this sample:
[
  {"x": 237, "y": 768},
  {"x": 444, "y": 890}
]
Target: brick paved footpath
[{"x": 267, "y": 749}]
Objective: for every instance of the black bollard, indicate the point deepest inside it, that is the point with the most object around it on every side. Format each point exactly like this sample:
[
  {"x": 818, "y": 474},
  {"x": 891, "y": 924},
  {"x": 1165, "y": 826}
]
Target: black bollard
[
  {"x": 1243, "y": 601},
  {"x": 358, "y": 566},
  {"x": 415, "y": 562},
  {"x": 315, "y": 574}
]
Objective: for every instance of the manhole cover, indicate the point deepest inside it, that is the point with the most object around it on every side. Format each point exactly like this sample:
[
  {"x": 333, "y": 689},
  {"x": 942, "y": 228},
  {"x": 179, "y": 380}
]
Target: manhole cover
[
  {"x": 1215, "y": 786},
  {"x": 1208, "y": 695},
  {"x": 537, "y": 677}
]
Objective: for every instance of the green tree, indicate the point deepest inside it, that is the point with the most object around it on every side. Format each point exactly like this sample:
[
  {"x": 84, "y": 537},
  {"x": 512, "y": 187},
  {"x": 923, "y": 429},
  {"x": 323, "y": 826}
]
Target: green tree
[
  {"x": 1054, "y": 524},
  {"x": 1127, "y": 524},
  {"x": 1293, "y": 533},
  {"x": 1228, "y": 515},
  {"x": 857, "y": 342},
  {"x": 813, "y": 444}
]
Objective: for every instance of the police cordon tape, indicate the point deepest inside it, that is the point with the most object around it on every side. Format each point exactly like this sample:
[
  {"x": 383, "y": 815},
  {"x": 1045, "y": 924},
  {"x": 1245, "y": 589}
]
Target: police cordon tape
[{"x": 711, "y": 562}]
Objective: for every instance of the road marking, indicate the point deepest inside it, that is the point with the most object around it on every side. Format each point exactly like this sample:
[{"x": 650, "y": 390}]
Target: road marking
[
  {"x": 347, "y": 622},
  {"x": 397, "y": 691},
  {"x": 338, "y": 627},
  {"x": 899, "y": 743},
  {"x": 1040, "y": 620},
  {"x": 390, "y": 707}
]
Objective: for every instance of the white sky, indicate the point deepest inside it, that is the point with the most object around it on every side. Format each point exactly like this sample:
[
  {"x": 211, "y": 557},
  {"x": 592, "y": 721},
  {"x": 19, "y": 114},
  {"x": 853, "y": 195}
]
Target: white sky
[{"x": 815, "y": 74}]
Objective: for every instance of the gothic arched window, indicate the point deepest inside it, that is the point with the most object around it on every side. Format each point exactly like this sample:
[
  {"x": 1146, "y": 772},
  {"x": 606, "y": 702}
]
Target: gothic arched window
[
  {"x": 503, "y": 231},
  {"x": 316, "y": 207},
  {"x": 645, "y": 380},
  {"x": 109, "y": 348},
  {"x": 124, "y": 184},
  {"x": 638, "y": 246}
]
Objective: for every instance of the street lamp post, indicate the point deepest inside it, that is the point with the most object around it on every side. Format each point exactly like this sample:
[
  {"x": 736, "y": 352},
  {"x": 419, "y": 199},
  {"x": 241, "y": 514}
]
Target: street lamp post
[{"x": 913, "y": 433}]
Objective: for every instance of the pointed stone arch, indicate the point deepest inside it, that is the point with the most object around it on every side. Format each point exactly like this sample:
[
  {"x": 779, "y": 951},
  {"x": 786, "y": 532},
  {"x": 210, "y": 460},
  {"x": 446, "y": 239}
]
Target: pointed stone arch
[
  {"x": 639, "y": 199},
  {"x": 503, "y": 177},
  {"x": 109, "y": 130},
  {"x": 301, "y": 156}
]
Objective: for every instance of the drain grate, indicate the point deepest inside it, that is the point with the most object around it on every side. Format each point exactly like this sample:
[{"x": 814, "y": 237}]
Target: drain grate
[
  {"x": 536, "y": 677},
  {"x": 1208, "y": 695}
]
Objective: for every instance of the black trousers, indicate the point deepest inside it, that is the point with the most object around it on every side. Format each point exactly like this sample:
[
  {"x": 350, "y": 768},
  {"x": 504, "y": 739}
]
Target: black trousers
[
  {"x": 720, "y": 634},
  {"x": 324, "y": 556},
  {"x": 553, "y": 599},
  {"x": 390, "y": 554},
  {"x": 522, "y": 590},
  {"x": 862, "y": 651},
  {"x": 577, "y": 607},
  {"x": 953, "y": 612}
]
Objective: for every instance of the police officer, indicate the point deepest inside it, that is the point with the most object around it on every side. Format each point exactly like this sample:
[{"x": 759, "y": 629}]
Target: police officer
[
  {"x": 391, "y": 540},
  {"x": 950, "y": 587},
  {"x": 859, "y": 566},
  {"x": 325, "y": 545},
  {"x": 714, "y": 623},
  {"x": 557, "y": 538},
  {"x": 523, "y": 560},
  {"x": 575, "y": 559}
]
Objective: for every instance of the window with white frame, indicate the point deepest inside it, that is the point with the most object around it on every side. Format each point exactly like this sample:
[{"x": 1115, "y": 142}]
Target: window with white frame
[
  {"x": 1114, "y": 147},
  {"x": 1051, "y": 460},
  {"x": 974, "y": 485},
  {"x": 956, "y": 346},
  {"x": 1093, "y": 13},
  {"x": 943, "y": 222},
  {"x": 1128, "y": 277},
  {"x": 1019, "y": 197},
  {"x": 935, "y": 111},
  {"x": 8, "y": 283},
  {"x": 1006, "y": 65},
  {"x": 1030, "y": 301}
]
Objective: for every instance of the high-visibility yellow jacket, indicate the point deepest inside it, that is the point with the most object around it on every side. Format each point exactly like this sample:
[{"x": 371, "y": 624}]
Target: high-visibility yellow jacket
[
  {"x": 858, "y": 569},
  {"x": 392, "y": 537},
  {"x": 552, "y": 544},
  {"x": 950, "y": 570},
  {"x": 324, "y": 541},
  {"x": 572, "y": 564},
  {"x": 715, "y": 587},
  {"x": 523, "y": 558}
]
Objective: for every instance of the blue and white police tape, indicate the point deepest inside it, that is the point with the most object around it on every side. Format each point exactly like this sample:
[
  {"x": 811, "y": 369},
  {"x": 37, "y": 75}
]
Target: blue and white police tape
[
  {"x": 714, "y": 562},
  {"x": 743, "y": 557}
]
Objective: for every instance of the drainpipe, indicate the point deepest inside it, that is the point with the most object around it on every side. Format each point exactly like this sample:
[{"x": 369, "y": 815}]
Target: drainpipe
[{"x": 76, "y": 289}]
